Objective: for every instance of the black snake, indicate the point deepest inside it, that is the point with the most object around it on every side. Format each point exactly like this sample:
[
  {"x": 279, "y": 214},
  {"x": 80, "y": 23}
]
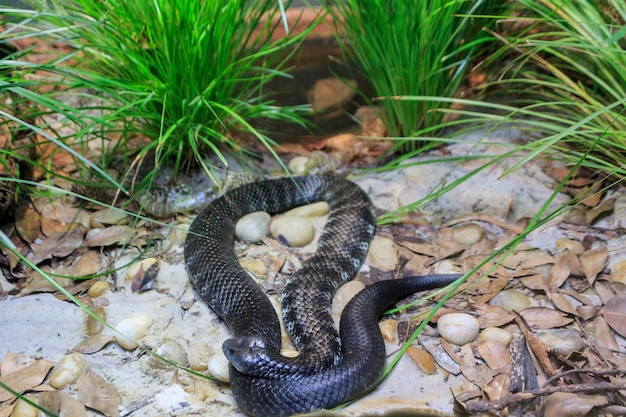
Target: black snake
[{"x": 330, "y": 369}]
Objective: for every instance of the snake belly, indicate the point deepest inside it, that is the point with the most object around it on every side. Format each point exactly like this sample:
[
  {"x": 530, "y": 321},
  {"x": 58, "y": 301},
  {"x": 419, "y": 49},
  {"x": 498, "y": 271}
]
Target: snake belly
[{"x": 330, "y": 369}]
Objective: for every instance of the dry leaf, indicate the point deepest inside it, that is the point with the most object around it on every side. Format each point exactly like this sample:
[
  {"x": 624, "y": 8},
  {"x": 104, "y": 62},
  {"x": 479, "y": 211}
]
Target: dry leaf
[
  {"x": 544, "y": 318},
  {"x": 568, "y": 404},
  {"x": 494, "y": 354},
  {"x": 27, "y": 223},
  {"x": 25, "y": 378},
  {"x": 561, "y": 270},
  {"x": 96, "y": 393},
  {"x": 593, "y": 262},
  {"x": 607, "y": 205},
  {"x": 62, "y": 239},
  {"x": 492, "y": 316},
  {"x": 61, "y": 403},
  {"x": 93, "y": 344},
  {"x": 497, "y": 388},
  {"x": 614, "y": 313},
  {"x": 562, "y": 303},
  {"x": 603, "y": 336}
]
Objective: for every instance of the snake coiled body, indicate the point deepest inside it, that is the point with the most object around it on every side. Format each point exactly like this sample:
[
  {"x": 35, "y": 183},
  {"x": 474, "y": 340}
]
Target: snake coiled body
[{"x": 330, "y": 369}]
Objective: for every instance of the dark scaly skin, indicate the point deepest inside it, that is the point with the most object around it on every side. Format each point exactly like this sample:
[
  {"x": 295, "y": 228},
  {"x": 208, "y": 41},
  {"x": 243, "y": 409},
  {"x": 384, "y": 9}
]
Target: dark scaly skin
[{"x": 320, "y": 377}]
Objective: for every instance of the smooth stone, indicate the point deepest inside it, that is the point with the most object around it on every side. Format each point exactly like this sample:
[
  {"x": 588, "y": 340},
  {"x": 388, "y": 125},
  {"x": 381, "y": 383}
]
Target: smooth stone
[
  {"x": 383, "y": 254},
  {"x": 67, "y": 371},
  {"x": 564, "y": 341},
  {"x": 171, "y": 350},
  {"x": 298, "y": 165},
  {"x": 389, "y": 330},
  {"x": 253, "y": 227},
  {"x": 320, "y": 208},
  {"x": 498, "y": 335},
  {"x": 296, "y": 231},
  {"x": 94, "y": 326},
  {"x": 97, "y": 289},
  {"x": 511, "y": 300},
  {"x": 24, "y": 409},
  {"x": 422, "y": 359},
  {"x": 343, "y": 295},
  {"x": 467, "y": 234},
  {"x": 108, "y": 217},
  {"x": 132, "y": 329},
  {"x": 218, "y": 367},
  {"x": 458, "y": 328},
  {"x": 198, "y": 355}
]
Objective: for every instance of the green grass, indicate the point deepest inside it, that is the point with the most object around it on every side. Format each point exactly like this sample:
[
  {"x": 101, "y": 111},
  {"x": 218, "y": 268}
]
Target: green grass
[
  {"x": 407, "y": 48},
  {"x": 187, "y": 74}
]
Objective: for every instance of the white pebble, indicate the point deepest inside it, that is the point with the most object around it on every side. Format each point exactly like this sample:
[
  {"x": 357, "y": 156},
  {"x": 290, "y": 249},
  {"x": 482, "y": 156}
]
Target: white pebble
[
  {"x": 310, "y": 210},
  {"x": 458, "y": 328},
  {"x": 297, "y": 165},
  {"x": 218, "y": 367},
  {"x": 24, "y": 409},
  {"x": 68, "y": 370},
  {"x": 296, "y": 231},
  {"x": 497, "y": 334},
  {"x": 511, "y": 300},
  {"x": 132, "y": 328},
  {"x": 343, "y": 295},
  {"x": 564, "y": 341},
  {"x": 253, "y": 227},
  {"x": 383, "y": 254},
  {"x": 169, "y": 349},
  {"x": 467, "y": 234},
  {"x": 198, "y": 355}
]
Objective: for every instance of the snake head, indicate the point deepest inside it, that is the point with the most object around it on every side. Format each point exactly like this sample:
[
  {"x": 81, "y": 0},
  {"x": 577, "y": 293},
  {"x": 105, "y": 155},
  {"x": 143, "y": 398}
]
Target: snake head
[{"x": 247, "y": 354}]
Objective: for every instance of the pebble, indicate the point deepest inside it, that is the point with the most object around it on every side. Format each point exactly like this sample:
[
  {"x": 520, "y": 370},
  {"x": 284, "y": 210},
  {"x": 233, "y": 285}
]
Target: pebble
[
  {"x": 218, "y": 367},
  {"x": 198, "y": 355},
  {"x": 169, "y": 349},
  {"x": 113, "y": 235},
  {"x": 498, "y": 335},
  {"x": 467, "y": 234},
  {"x": 458, "y": 328},
  {"x": 67, "y": 371},
  {"x": 108, "y": 217},
  {"x": 511, "y": 300},
  {"x": 318, "y": 209},
  {"x": 255, "y": 266},
  {"x": 253, "y": 227},
  {"x": 24, "y": 409},
  {"x": 139, "y": 268},
  {"x": 422, "y": 359},
  {"x": 568, "y": 244},
  {"x": 298, "y": 165},
  {"x": 383, "y": 254},
  {"x": 97, "y": 289},
  {"x": 94, "y": 326},
  {"x": 132, "y": 328},
  {"x": 564, "y": 341},
  {"x": 389, "y": 330},
  {"x": 296, "y": 231},
  {"x": 343, "y": 295}
]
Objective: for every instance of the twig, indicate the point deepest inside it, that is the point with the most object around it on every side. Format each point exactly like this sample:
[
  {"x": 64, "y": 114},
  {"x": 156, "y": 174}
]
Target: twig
[{"x": 498, "y": 405}]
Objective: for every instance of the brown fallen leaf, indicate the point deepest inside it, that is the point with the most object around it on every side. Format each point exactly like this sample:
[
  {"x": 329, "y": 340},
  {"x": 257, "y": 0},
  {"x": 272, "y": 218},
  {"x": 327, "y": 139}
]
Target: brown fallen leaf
[
  {"x": 497, "y": 388},
  {"x": 544, "y": 318},
  {"x": 27, "y": 223},
  {"x": 96, "y": 393},
  {"x": 593, "y": 262},
  {"x": 25, "y": 378},
  {"x": 569, "y": 404},
  {"x": 494, "y": 354},
  {"x": 62, "y": 404},
  {"x": 562, "y": 303},
  {"x": 560, "y": 271},
  {"x": 92, "y": 344},
  {"x": 604, "y": 338},
  {"x": 614, "y": 313},
  {"x": 61, "y": 240},
  {"x": 492, "y": 316}
]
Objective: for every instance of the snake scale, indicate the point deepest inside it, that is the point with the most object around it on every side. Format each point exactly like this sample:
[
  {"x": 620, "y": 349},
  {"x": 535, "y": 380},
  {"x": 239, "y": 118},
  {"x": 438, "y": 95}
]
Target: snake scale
[{"x": 331, "y": 368}]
